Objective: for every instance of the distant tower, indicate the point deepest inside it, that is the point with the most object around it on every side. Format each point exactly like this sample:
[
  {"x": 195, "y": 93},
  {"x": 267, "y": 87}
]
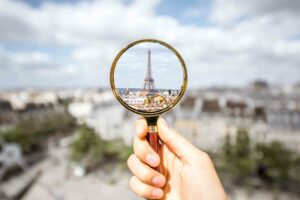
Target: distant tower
[{"x": 149, "y": 81}]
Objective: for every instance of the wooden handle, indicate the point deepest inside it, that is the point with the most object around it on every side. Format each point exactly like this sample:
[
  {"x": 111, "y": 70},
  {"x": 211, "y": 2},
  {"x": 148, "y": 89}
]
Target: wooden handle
[
  {"x": 152, "y": 136},
  {"x": 153, "y": 140}
]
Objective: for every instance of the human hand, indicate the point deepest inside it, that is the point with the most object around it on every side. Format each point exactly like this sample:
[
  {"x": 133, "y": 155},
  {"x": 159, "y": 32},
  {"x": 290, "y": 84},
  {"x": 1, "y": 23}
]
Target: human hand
[{"x": 187, "y": 173}]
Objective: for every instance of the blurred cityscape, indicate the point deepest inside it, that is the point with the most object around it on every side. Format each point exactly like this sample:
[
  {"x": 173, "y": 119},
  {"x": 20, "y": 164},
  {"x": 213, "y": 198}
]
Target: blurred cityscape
[
  {"x": 64, "y": 136},
  {"x": 73, "y": 144}
]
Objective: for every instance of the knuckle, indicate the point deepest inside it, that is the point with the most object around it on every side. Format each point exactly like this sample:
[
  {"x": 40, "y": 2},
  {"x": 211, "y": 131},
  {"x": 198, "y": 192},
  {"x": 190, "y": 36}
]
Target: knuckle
[
  {"x": 138, "y": 188},
  {"x": 203, "y": 157},
  {"x": 139, "y": 149},
  {"x": 130, "y": 160},
  {"x": 144, "y": 190},
  {"x": 145, "y": 174},
  {"x": 131, "y": 183}
]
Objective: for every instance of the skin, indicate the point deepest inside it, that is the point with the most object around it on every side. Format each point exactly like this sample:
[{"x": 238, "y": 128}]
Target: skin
[{"x": 187, "y": 173}]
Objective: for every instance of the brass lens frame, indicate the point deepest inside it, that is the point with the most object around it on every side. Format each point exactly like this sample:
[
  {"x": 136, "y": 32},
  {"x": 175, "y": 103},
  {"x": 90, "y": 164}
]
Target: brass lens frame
[{"x": 152, "y": 113}]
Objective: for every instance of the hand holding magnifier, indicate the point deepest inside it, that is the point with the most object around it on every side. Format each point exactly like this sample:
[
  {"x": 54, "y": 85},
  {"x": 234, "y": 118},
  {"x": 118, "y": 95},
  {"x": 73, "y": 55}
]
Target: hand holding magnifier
[{"x": 149, "y": 77}]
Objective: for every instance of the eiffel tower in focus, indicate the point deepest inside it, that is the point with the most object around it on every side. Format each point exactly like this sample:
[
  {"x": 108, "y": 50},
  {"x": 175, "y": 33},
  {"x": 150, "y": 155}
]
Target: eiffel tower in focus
[{"x": 149, "y": 81}]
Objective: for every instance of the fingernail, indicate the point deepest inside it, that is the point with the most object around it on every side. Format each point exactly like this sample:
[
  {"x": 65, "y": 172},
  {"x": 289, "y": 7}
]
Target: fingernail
[
  {"x": 152, "y": 160},
  {"x": 139, "y": 129},
  {"x": 157, "y": 193},
  {"x": 158, "y": 180}
]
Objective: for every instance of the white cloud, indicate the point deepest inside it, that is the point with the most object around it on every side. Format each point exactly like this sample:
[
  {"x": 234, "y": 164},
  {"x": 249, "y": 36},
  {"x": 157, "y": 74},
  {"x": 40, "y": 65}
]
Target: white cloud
[
  {"x": 226, "y": 11},
  {"x": 26, "y": 61},
  {"x": 251, "y": 39}
]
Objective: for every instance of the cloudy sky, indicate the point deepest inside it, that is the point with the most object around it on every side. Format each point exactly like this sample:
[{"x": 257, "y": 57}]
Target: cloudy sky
[
  {"x": 72, "y": 43},
  {"x": 166, "y": 68}
]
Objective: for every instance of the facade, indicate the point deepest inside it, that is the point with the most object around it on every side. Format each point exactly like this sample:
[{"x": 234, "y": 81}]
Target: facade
[{"x": 203, "y": 116}]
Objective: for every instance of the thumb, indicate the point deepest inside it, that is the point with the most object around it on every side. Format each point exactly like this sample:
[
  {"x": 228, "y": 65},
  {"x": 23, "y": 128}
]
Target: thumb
[{"x": 183, "y": 149}]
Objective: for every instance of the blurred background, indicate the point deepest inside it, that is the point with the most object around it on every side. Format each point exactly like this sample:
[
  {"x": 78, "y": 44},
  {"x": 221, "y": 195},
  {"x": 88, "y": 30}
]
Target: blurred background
[{"x": 63, "y": 135}]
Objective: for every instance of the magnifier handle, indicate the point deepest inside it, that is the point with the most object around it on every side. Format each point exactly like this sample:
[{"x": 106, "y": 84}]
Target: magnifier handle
[{"x": 153, "y": 140}]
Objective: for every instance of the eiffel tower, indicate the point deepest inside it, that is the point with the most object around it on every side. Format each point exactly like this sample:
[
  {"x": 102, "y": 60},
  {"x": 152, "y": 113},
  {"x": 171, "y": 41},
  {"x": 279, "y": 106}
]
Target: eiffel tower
[{"x": 149, "y": 81}]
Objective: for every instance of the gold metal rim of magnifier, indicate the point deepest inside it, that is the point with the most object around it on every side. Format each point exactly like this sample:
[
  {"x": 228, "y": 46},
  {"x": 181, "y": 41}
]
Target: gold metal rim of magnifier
[{"x": 144, "y": 113}]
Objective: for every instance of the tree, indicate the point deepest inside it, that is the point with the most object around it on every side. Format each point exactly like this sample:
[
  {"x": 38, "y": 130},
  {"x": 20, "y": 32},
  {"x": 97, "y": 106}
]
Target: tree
[
  {"x": 87, "y": 148},
  {"x": 90, "y": 150}
]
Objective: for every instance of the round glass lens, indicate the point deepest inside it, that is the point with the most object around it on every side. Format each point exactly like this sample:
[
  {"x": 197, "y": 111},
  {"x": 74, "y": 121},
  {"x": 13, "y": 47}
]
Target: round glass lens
[{"x": 149, "y": 77}]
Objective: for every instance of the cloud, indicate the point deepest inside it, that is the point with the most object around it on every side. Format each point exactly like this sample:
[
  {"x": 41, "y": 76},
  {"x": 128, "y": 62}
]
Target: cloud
[
  {"x": 229, "y": 10},
  {"x": 26, "y": 61},
  {"x": 247, "y": 40},
  {"x": 84, "y": 22},
  {"x": 274, "y": 17},
  {"x": 33, "y": 69}
]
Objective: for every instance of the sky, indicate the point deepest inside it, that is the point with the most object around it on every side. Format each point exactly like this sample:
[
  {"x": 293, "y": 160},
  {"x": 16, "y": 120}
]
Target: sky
[
  {"x": 72, "y": 43},
  {"x": 166, "y": 68}
]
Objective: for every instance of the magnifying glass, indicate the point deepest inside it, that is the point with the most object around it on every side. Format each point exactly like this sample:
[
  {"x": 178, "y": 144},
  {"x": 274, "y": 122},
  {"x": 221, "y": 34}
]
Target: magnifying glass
[{"x": 149, "y": 77}]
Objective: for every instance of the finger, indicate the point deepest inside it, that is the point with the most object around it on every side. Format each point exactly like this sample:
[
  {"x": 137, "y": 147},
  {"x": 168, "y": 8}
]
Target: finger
[
  {"x": 144, "y": 190},
  {"x": 141, "y": 127},
  {"x": 176, "y": 143},
  {"x": 144, "y": 152},
  {"x": 145, "y": 173}
]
